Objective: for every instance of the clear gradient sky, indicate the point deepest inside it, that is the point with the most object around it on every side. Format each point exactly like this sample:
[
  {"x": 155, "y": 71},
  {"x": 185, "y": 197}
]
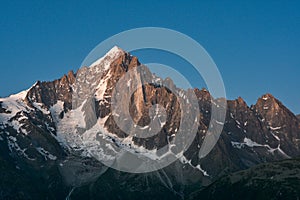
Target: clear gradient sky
[{"x": 256, "y": 45}]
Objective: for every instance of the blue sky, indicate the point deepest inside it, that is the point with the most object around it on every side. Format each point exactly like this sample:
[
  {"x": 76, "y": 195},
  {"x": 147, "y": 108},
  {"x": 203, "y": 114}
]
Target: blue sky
[{"x": 256, "y": 45}]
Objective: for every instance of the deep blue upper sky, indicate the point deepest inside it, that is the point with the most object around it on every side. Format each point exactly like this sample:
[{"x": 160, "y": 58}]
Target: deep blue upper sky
[{"x": 256, "y": 46}]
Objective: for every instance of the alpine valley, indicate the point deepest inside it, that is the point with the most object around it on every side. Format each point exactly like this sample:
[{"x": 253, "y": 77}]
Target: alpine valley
[{"x": 48, "y": 151}]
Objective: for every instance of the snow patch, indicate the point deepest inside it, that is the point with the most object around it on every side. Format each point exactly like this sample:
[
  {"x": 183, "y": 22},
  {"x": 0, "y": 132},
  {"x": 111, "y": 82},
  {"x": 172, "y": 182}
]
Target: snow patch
[
  {"x": 39, "y": 106},
  {"x": 13, "y": 146},
  {"x": 184, "y": 160},
  {"x": 275, "y": 136},
  {"x": 129, "y": 83},
  {"x": 275, "y": 128},
  {"x": 101, "y": 88},
  {"x": 220, "y": 123},
  {"x": 237, "y": 145},
  {"x": 46, "y": 154},
  {"x": 251, "y": 143},
  {"x": 248, "y": 142}
]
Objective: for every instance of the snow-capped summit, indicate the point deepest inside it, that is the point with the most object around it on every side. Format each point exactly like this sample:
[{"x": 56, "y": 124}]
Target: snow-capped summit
[{"x": 110, "y": 56}]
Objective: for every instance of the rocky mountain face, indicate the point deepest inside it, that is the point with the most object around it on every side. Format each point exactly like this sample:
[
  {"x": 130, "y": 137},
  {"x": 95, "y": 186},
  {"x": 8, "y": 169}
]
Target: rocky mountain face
[{"x": 47, "y": 134}]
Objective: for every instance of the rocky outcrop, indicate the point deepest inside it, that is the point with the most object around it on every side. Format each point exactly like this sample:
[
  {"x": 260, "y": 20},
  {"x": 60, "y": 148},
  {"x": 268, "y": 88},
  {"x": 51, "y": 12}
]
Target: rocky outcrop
[
  {"x": 48, "y": 93},
  {"x": 281, "y": 122}
]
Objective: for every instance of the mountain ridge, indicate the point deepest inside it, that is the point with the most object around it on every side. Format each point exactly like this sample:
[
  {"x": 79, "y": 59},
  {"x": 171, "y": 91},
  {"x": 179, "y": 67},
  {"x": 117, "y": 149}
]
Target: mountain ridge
[{"x": 40, "y": 129}]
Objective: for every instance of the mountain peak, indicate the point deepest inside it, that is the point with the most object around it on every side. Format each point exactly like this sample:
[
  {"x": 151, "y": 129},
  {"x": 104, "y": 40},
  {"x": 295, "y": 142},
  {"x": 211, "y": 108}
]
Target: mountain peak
[
  {"x": 240, "y": 100},
  {"x": 274, "y": 112},
  {"x": 111, "y": 55},
  {"x": 268, "y": 102},
  {"x": 115, "y": 50},
  {"x": 267, "y": 96}
]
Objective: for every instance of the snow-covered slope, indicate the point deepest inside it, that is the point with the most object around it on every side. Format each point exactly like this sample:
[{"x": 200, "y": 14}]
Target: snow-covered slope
[{"x": 11, "y": 106}]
